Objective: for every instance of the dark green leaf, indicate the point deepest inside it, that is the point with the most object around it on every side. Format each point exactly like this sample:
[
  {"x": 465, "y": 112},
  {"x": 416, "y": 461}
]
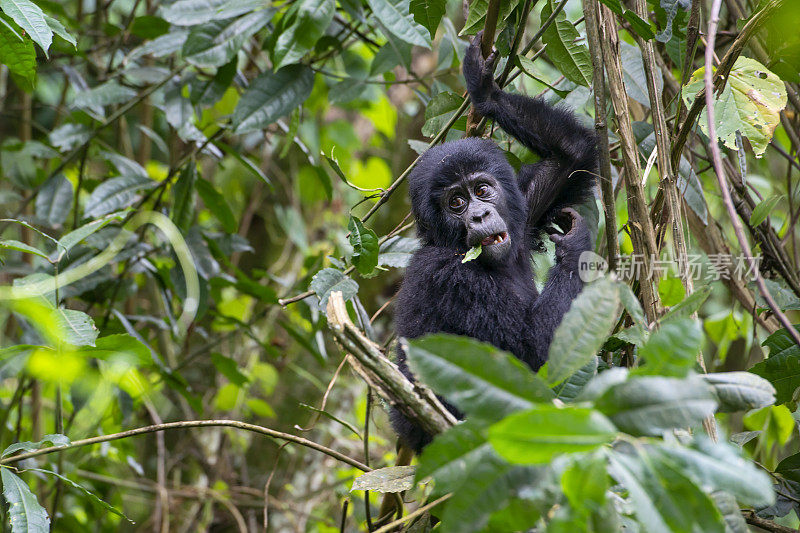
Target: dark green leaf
[
  {"x": 229, "y": 368},
  {"x": 24, "y": 512},
  {"x": 439, "y": 111},
  {"x": 539, "y": 434},
  {"x": 365, "y": 246},
  {"x": 216, "y": 203},
  {"x": 115, "y": 194},
  {"x": 216, "y": 43},
  {"x": 395, "y": 15},
  {"x": 650, "y": 405},
  {"x": 740, "y": 391},
  {"x": 272, "y": 95},
  {"x": 193, "y": 12},
  {"x": 571, "y": 58},
  {"x": 310, "y": 20},
  {"x": 479, "y": 379},
  {"x": 672, "y": 349},
  {"x": 92, "y": 497},
  {"x": 17, "y": 54},
  {"x": 569, "y": 389},
  {"x": 183, "y": 192},
  {"x": 54, "y": 201},
  {"x": 583, "y": 329},
  {"x": 328, "y": 280},
  {"x": 782, "y": 368},
  {"x": 763, "y": 210},
  {"x": 428, "y": 13},
  {"x": 397, "y": 251}
]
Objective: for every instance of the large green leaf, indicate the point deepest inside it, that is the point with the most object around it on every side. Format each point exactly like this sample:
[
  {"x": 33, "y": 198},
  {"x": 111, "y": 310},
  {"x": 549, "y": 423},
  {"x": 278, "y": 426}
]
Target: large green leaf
[
  {"x": 215, "y": 43},
  {"x": 740, "y": 391},
  {"x": 782, "y": 368},
  {"x": 329, "y": 280},
  {"x": 439, "y": 111},
  {"x": 310, "y": 20},
  {"x": 571, "y": 58},
  {"x": 396, "y": 17},
  {"x": 650, "y": 405},
  {"x": 18, "y": 54},
  {"x": 720, "y": 466},
  {"x": 537, "y": 435},
  {"x": 428, "y": 13},
  {"x": 672, "y": 349},
  {"x": 272, "y": 95},
  {"x": 115, "y": 194},
  {"x": 30, "y": 18},
  {"x": 583, "y": 329},
  {"x": 664, "y": 499},
  {"x": 25, "y": 513},
  {"x": 77, "y": 328},
  {"x": 365, "y": 246},
  {"x": 193, "y": 12},
  {"x": 54, "y": 200},
  {"x": 751, "y": 103},
  {"x": 478, "y": 378},
  {"x": 477, "y": 15}
]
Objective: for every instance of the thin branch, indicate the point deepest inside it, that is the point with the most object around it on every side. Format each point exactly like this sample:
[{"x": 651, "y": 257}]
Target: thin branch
[
  {"x": 720, "y": 172},
  {"x": 191, "y": 424},
  {"x": 410, "y": 516}
]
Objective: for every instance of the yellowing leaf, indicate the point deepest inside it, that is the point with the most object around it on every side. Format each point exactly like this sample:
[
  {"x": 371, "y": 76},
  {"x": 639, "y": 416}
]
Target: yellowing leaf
[{"x": 751, "y": 103}]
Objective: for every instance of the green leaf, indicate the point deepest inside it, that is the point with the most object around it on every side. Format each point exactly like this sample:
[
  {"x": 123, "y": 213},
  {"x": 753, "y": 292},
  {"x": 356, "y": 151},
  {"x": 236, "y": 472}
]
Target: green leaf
[
  {"x": 571, "y": 58},
  {"x": 689, "y": 305},
  {"x": 664, "y": 499},
  {"x": 115, "y": 194},
  {"x": 478, "y": 378},
  {"x": 77, "y": 328},
  {"x": 397, "y": 251},
  {"x": 650, "y": 405},
  {"x": 763, "y": 210},
  {"x": 18, "y": 54},
  {"x": 24, "y": 512},
  {"x": 439, "y": 111},
  {"x": 210, "y": 91},
  {"x": 30, "y": 18},
  {"x": 194, "y": 12},
  {"x": 46, "y": 442},
  {"x": 720, "y": 466},
  {"x": 477, "y": 15},
  {"x": 11, "y": 244},
  {"x": 183, "y": 192},
  {"x": 751, "y": 103},
  {"x": 641, "y": 27},
  {"x": 310, "y": 20},
  {"x": 671, "y": 350},
  {"x": 108, "y": 93},
  {"x": 54, "y": 201},
  {"x": 472, "y": 253},
  {"x": 396, "y": 17},
  {"x": 740, "y": 391},
  {"x": 216, "y": 43},
  {"x": 92, "y": 497},
  {"x": 76, "y": 236},
  {"x": 583, "y": 329},
  {"x": 634, "y": 75},
  {"x": 388, "y": 479},
  {"x": 365, "y": 246},
  {"x": 538, "y": 435},
  {"x": 216, "y": 203},
  {"x": 782, "y": 367},
  {"x": 570, "y": 388},
  {"x": 271, "y": 96},
  {"x": 229, "y": 368},
  {"x": 671, "y": 291},
  {"x": 60, "y": 30},
  {"x": 428, "y": 13},
  {"x": 328, "y": 280}
]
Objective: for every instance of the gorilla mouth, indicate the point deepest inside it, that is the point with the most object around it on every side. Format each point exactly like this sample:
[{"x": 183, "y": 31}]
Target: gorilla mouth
[{"x": 497, "y": 238}]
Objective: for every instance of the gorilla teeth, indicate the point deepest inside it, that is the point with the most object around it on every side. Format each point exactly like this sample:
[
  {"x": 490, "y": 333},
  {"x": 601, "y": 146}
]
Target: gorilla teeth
[{"x": 497, "y": 238}]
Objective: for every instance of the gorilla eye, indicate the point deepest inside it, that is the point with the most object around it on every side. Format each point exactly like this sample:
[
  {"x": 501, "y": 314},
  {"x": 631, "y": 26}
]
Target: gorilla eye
[
  {"x": 482, "y": 190},
  {"x": 457, "y": 203}
]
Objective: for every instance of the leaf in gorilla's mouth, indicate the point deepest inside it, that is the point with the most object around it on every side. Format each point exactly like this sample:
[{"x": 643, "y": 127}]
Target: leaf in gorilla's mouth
[{"x": 497, "y": 238}]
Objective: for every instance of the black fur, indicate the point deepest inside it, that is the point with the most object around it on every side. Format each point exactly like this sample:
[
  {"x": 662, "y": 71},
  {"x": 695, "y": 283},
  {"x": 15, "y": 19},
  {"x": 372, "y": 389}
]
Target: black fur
[{"x": 489, "y": 300}]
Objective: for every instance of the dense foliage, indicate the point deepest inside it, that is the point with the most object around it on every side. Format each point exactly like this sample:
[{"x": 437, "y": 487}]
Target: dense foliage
[{"x": 186, "y": 185}]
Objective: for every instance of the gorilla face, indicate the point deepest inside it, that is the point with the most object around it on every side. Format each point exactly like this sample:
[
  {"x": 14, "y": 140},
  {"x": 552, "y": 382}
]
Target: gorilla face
[{"x": 477, "y": 202}]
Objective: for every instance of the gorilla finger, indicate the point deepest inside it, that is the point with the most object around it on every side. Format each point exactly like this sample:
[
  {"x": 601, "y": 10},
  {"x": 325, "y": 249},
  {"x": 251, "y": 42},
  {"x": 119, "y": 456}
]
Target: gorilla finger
[{"x": 556, "y": 238}]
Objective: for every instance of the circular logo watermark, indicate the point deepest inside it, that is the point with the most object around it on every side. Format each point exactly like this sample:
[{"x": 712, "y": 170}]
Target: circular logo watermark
[{"x": 591, "y": 266}]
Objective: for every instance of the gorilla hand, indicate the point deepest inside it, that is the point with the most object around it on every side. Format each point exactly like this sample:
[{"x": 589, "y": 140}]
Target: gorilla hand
[
  {"x": 479, "y": 74},
  {"x": 575, "y": 240}
]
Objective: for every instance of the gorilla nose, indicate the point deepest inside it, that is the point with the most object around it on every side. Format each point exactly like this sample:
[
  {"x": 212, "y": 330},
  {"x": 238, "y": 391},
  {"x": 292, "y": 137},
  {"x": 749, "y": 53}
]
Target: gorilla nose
[{"x": 480, "y": 216}]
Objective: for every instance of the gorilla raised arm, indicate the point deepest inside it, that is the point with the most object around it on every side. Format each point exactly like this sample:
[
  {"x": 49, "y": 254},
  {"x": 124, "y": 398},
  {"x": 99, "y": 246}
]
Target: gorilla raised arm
[{"x": 465, "y": 193}]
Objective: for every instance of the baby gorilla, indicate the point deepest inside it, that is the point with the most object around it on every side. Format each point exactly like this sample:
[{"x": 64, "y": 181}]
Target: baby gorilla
[{"x": 465, "y": 193}]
